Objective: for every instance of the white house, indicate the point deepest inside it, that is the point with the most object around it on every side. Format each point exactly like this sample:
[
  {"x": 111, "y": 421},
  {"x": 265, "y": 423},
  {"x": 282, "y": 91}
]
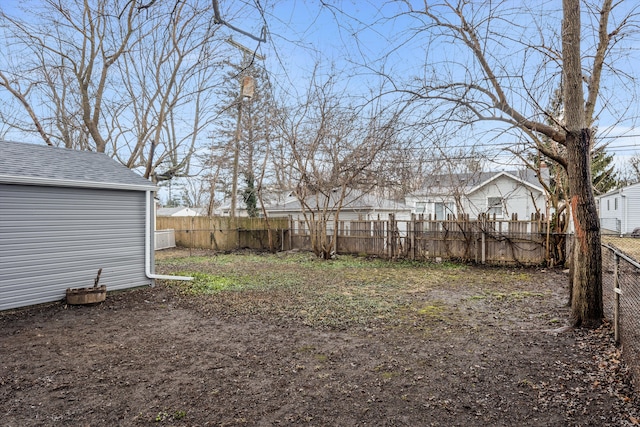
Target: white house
[
  {"x": 269, "y": 197},
  {"x": 494, "y": 193},
  {"x": 356, "y": 205},
  {"x": 619, "y": 210}
]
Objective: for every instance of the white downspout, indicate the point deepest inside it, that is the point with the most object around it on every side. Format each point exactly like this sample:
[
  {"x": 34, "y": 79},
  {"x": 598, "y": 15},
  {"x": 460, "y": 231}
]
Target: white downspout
[{"x": 147, "y": 245}]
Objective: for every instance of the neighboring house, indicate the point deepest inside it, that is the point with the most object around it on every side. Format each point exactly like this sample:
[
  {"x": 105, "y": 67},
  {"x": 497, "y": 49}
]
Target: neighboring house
[
  {"x": 179, "y": 211},
  {"x": 619, "y": 210},
  {"x": 355, "y": 205},
  {"x": 270, "y": 197},
  {"x": 241, "y": 209},
  {"x": 494, "y": 193},
  {"x": 64, "y": 214}
]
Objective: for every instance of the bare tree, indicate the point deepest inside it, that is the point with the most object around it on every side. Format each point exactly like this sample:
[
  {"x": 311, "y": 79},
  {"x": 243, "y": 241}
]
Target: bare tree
[
  {"x": 493, "y": 71},
  {"x": 631, "y": 171},
  {"x": 129, "y": 78},
  {"x": 331, "y": 155},
  {"x": 169, "y": 81},
  {"x": 14, "y": 89},
  {"x": 71, "y": 50},
  {"x": 586, "y": 301}
]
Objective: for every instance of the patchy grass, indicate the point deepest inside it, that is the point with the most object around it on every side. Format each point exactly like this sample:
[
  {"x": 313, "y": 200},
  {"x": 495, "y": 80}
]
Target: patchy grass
[
  {"x": 347, "y": 291},
  {"x": 506, "y": 297},
  {"x": 207, "y": 283},
  {"x": 432, "y": 310}
]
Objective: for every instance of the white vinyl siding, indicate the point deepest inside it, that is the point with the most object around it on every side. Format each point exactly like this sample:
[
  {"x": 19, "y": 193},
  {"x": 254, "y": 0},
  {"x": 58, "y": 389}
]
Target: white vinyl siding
[
  {"x": 516, "y": 198},
  {"x": 54, "y": 238}
]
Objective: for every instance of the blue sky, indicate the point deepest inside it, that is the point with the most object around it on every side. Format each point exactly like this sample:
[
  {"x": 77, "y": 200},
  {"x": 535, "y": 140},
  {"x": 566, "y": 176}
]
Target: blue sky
[{"x": 351, "y": 35}]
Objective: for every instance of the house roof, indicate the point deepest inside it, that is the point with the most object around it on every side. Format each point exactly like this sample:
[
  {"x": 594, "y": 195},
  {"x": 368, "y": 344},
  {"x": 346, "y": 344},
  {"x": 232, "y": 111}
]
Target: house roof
[
  {"x": 620, "y": 190},
  {"x": 468, "y": 183},
  {"x": 354, "y": 201},
  {"x": 32, "y": 164},
  {"x": 178, "y": 210},
  {"x": 511, "y": 175},
  {"x": 269, "y": 198}
]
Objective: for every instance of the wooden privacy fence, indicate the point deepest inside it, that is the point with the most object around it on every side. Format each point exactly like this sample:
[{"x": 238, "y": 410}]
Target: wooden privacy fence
[
  {"x": 225, "y": 233},
  {"x": 483, "y": 240}
]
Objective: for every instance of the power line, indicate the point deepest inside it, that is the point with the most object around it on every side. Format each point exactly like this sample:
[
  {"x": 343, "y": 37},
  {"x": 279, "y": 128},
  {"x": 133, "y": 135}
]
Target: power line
[{"x": 619, "y": 136}]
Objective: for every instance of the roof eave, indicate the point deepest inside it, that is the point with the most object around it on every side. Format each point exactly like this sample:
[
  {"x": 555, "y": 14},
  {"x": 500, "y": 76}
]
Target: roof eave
[
  {"x": 53, "y": 182},
  {"x": 507, "y": 174}
]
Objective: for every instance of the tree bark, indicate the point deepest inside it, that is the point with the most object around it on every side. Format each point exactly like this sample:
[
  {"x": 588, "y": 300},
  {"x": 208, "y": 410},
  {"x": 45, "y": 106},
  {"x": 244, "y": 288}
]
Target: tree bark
[
  {"x": 586, "y": 296},
  {"x": 586, "y": 280}
]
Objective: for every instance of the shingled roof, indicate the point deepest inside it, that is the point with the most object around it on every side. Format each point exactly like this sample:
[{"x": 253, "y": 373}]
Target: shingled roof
[
  {"x": 32, "y": 164},
  {"x": 445, "y": 184},
  {"x": 354, "y": 200}
]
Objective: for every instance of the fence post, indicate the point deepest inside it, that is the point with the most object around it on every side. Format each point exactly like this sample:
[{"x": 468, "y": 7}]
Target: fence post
[
  {"x": 191, "y": 234},
  {"x": 616, "y": 292},
  {"x": 483, "y": 248},
  {"x": 237, "y": 225},
  {"x": 389, "y": 248},
  {"x": 412, "y": 230}
]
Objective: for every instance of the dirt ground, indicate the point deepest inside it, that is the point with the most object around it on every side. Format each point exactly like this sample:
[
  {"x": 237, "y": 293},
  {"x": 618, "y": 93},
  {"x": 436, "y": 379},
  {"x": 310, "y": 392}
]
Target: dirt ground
[{"x": 155, "y": 356}]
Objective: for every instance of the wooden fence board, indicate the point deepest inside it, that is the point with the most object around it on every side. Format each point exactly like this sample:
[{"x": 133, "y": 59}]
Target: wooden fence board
[
  {"x": 508, "y": 241},
  {"x": 225, "y": 233},
  {"x": 490, "y": 240}
]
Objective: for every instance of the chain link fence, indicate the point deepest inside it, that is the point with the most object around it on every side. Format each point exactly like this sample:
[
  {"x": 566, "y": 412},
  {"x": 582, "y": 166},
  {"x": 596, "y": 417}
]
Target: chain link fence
[{"x": 621, "y": 293}]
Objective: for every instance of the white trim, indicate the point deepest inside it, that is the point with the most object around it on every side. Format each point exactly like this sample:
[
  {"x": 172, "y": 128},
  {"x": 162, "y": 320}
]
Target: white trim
[
  {"x": 55, "y": 182},
  {"x": 498, "y": 175},
  {"x": 617, "y": 190},
  {"x": 625, "y": 214}
]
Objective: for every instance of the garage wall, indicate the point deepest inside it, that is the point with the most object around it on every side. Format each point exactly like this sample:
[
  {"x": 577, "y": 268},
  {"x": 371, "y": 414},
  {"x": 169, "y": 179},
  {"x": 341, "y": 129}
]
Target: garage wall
[{"x": 54, "y": 238}]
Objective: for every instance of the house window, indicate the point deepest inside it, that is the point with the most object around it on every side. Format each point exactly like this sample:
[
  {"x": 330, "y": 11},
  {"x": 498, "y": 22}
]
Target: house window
[
  {"x": 421, "y": 207},
  {"x": 608, "y": 204},
  {"x": 615, "y": 204},
  {"x": 442, "y": 209},
  {"x": 494, "y": 206}
]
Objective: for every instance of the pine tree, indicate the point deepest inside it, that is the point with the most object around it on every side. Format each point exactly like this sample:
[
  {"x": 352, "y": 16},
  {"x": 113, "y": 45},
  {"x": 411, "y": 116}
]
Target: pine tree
[{"x": 603, "y": 174}]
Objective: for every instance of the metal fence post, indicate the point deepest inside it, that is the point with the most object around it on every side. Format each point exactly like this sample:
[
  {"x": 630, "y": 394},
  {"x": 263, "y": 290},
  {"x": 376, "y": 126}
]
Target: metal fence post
[
  {"x": 411, "y": 228},
  {"x": 616, "y": 292}
]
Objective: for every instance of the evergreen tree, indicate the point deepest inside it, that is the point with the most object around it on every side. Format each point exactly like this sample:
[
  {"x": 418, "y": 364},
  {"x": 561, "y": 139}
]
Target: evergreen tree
[
  {"x": 249, "y": 196},
  {"x": 603, "y": 174}
]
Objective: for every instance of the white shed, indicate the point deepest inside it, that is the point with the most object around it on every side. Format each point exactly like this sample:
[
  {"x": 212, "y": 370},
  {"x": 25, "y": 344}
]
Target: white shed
[{"x": 64, "y": 214}]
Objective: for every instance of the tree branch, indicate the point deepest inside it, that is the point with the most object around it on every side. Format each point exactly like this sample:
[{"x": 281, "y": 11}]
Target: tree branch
[{"x": 218, "y": 20}]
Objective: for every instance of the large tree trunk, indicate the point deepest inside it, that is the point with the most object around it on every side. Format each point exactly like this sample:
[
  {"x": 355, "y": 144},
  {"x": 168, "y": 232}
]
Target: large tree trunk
[{"x": 586, "y": 280}]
